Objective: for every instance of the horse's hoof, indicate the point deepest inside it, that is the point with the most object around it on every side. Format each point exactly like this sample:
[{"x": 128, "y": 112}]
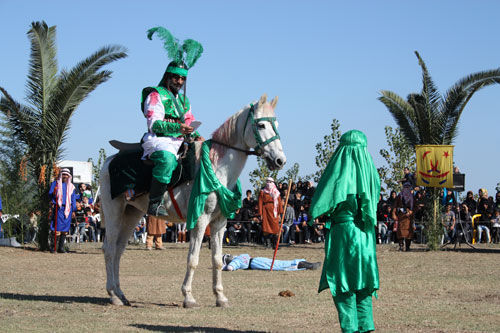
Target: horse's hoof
[
  {"x": 126, "y": 302},
  {"x": 222, "y": 304},
  {"x": 190, "y": 305},
  {"x": 116, "y": 301}
]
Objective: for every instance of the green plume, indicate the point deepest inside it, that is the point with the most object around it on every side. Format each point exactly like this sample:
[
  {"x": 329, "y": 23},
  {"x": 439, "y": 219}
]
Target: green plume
[
  {"x": 193, "y": 51},
  {"x": 170, "y": 43},
  {"x": 189, "y": 52}
]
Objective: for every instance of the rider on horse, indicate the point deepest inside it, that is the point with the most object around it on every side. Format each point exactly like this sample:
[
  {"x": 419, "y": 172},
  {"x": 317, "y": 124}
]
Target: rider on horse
[{"x": 168, "y": 115}]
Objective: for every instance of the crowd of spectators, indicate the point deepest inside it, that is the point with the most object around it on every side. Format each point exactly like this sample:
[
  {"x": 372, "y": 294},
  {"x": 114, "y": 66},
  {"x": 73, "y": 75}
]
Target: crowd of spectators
[
  {"x": 246, "y": 226},
  {"x": 86, "y": 221},
  {"x": 475, "y": 218},
  {"x": 457, "y": 218}
]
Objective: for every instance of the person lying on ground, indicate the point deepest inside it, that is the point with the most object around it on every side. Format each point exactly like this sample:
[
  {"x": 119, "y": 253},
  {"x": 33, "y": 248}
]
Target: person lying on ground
[{"x": 244, "y": 261}]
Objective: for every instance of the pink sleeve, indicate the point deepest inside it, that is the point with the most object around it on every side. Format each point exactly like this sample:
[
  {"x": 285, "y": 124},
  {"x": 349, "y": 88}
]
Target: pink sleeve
[
  {"x": 188, "y": 117},
  {"x": 153, "y": 109}
]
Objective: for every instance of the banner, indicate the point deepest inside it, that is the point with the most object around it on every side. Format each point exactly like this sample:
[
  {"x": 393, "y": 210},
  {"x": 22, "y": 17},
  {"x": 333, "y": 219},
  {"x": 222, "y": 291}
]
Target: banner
[{"x": 434, "y": 165}]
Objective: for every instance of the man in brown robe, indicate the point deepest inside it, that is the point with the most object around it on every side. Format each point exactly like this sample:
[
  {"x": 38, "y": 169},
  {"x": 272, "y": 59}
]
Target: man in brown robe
[
  {"x": 403, "y": 216},
  {"x": 155, "y": 228},
  {"x": 270, "y": 208}
]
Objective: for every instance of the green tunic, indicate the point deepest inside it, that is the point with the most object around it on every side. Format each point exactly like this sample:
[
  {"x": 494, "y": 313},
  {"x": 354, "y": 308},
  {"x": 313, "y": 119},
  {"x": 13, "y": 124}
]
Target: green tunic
[
  {"x": 350, "y": 260},
  {"x": 348, "y": 194}
]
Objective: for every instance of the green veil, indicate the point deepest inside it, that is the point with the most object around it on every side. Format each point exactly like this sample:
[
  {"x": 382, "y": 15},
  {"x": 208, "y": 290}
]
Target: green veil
[{"x": 350, "y": 172}]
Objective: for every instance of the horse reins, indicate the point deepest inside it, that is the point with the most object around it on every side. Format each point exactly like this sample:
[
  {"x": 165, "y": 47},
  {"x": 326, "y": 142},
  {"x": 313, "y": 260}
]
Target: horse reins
[
  {"x": 258, "y": 139},
  {"x": 248, "y": 152}
]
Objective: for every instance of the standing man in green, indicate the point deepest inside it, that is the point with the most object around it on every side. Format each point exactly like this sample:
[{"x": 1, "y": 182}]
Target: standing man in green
[
  {"x": 169, "y": 116},
  {"x": 347, "y": 194}
]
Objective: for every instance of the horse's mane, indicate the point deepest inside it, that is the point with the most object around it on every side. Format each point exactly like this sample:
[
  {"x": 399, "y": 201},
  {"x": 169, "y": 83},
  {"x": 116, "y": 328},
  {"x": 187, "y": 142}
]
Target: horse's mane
[{"x": 224, "y": 134}]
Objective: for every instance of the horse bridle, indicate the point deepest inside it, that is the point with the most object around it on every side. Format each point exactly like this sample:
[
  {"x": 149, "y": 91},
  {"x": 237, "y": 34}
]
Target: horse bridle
[{"x": 257, "y": 150}]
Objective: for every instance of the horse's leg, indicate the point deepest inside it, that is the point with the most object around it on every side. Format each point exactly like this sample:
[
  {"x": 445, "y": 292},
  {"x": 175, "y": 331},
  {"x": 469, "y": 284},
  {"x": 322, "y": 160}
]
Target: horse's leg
[
  {"x": 113, "y": 211},
  {"x": 118, "y": 230},
  {"x": 216, "y": 238},
  {"x": 129, "y": 221},
  {"x": 192, "y": 260},
  {"x": 109, "y": 249}
]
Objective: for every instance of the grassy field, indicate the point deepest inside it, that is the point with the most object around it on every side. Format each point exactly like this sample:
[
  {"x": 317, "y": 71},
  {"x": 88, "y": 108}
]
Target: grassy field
[{"x": 442, "y": 291}]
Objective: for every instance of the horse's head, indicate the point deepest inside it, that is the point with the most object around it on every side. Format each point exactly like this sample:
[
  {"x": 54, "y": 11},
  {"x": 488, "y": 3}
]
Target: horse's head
[{"x": 261, "y": 133}]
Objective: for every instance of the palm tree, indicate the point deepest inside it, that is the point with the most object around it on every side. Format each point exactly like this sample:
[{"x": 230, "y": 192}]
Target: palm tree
[
  {"x": 43, "y": 123},
  {"x": 429, "y": 118}
]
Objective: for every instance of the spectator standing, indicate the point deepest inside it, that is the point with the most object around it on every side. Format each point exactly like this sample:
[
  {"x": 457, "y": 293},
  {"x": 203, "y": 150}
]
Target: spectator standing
[
  {"x": 392, "y": 198},
  {"x": 495, "y": 226},
  {"x": 483, "y": 204},
  {"x": 465, "y": 222},
  {"x": 297, "y": 202},
  {"x": 247, "y": 207},
  {"x": 155, "y": 228},
  {"x": 449, "y": 223},
  {"x": 270, "y": 208},
  {"x": 63, "y": 203},
  {"x": 288, "y": 222},
  {"x": 80, "y": 222},
  {"x": 408, "y": 183},
  {"x": 403, "y": 216},
  {"x": 497, "y": 201},
  {"x": 484, "y": 221},
  {"x": 181, "y": 232}
]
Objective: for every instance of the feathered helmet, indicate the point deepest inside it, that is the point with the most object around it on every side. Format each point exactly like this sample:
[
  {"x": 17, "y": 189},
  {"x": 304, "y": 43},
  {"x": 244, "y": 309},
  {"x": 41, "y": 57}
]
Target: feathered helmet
[{"x": 183, "y": 56}]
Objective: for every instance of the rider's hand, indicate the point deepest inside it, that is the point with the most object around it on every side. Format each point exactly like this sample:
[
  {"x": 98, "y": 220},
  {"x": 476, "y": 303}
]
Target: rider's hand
[
  {"x": 185, "y": 129},
  {"x": 199, "y": 138}
]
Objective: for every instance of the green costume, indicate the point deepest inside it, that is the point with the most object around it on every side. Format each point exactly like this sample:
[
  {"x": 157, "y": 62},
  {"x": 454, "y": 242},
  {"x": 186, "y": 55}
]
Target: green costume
[
  {"x": 207, "y": 182},
  {"x": 347, "y": 194},
  {"x": 163, "y": 123},
  {"x": 165, "y": 113}
]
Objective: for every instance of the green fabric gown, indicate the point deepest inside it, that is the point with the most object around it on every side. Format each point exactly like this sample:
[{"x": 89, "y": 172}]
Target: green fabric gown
[
  {"x": 348, "y": 193},
  {"x": 205, "y": 183}
]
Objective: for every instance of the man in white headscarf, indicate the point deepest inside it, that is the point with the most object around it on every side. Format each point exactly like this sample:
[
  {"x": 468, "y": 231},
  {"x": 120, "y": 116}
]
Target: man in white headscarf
[{"x": 63, "y": 203}]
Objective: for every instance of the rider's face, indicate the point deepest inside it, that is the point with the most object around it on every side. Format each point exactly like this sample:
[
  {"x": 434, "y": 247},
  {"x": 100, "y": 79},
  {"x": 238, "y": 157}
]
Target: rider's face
[{"x": 175, "y": 82}]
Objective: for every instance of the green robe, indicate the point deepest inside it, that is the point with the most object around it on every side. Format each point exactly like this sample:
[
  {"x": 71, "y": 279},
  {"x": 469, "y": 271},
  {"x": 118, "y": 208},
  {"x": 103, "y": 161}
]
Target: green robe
[{"x": 348, "y": 193}]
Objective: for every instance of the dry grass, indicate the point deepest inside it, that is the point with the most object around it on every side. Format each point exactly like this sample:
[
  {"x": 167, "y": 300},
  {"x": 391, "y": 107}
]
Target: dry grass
[{"x": 420, "y": 291}]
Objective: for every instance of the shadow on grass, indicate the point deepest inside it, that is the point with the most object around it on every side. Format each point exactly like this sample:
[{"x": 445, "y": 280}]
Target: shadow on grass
[
  {"x": 165, "y": 328},
  {"x": 472, "y": 250},
  {"x": 56, "y": 299}
]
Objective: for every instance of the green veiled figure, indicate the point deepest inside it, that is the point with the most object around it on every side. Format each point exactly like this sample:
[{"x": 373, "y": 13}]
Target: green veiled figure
[{"x": 347, "y": 194}]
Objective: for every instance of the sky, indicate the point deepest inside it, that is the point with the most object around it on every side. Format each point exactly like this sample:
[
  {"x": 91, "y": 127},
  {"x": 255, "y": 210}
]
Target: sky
[{"x": 324, "y": 59}]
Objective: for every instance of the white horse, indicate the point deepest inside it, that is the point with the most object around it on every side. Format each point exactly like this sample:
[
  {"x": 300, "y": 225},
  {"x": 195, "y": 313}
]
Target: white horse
[{"x": 253, "y": 127}]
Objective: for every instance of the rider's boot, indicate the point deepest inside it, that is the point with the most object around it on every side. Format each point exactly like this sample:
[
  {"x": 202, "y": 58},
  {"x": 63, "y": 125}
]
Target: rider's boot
[{"x": 156, "y": 204}]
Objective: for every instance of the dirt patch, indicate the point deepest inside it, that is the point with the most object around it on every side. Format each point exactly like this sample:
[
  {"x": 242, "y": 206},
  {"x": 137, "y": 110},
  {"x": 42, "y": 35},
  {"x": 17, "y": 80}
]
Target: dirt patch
[{"x": 286, "y": 293}]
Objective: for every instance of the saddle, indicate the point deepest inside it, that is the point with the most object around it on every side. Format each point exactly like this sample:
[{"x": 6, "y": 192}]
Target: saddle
[{"x": 131, "y": 175}]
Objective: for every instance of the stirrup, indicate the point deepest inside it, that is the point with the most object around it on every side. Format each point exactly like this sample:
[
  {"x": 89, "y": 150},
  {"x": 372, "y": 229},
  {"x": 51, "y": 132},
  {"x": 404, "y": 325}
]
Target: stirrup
[{"x": 155, "y": 211}]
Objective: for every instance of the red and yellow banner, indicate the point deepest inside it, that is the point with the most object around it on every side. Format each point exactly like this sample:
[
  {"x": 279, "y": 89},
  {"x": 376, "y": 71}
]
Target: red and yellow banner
[{"x": 434, "y": 165}]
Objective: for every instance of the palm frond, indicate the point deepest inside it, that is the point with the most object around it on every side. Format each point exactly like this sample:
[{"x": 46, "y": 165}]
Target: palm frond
[
  {"x": 75, "y": 85},
  {"x": 42, "y": 76},
  {"x": 458, "y": 96},
  {"x": 403, "y": 113},
  {"x": 423, "y": 120},
  {"x": 22, "y": 119},
  {"x": 434, "y": 101}
]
